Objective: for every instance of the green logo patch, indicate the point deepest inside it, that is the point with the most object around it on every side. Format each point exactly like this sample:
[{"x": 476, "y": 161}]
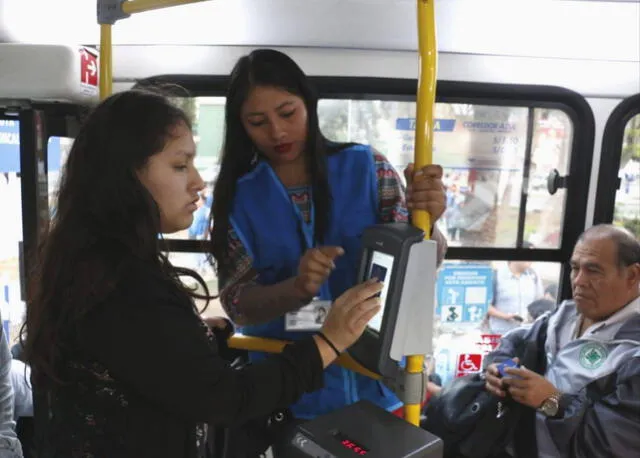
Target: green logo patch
[{"x": 593, "y": 355}]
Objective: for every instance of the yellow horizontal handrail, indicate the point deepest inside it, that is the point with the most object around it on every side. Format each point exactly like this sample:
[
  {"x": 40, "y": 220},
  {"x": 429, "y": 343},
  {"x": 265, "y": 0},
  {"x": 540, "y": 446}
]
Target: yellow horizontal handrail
[
  {"x": 138, "y": 6},
  {"x": 249, "y": 343}
]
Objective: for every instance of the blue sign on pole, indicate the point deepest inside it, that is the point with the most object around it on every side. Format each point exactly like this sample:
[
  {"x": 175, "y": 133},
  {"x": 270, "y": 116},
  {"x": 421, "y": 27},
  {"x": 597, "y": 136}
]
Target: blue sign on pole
[
  {"x": 464, "y": 292},
  {"x": 10, "y": 148}
]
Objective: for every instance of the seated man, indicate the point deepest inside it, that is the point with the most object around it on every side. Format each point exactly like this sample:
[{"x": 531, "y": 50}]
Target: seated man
[{"x": 587, "y": 399}]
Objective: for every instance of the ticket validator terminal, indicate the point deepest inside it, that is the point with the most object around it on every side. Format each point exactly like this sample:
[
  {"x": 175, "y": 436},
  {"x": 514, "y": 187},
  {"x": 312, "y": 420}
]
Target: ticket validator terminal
[{"x": 397, "y": 255}]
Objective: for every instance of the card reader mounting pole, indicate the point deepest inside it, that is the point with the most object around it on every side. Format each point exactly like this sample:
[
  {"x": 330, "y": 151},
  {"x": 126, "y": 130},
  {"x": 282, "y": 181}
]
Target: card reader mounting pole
[{"x": 423, "y": 156}]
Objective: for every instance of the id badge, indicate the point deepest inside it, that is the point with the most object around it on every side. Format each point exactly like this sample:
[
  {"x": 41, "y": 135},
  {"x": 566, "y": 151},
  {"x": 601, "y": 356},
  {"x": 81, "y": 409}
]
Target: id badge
[{"x": 308, "y": 318}]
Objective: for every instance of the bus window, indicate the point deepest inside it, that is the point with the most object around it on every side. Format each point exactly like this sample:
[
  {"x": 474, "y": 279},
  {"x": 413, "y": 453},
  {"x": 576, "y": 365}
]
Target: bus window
[
  {"x": 551, "y": 149},
  {"x": 463, "y": 334},
  {"x": 200, "y": 264},
  {"x": 57, "y": 151},
  {"x": 11, "y": 302},
  {"x": 627, "y": 204},
  {"x": 483, "y": 150}
]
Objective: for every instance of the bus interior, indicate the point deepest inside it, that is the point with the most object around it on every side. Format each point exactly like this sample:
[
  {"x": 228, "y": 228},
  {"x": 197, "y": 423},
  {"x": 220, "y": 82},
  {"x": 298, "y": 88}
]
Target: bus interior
[{"x": 537, "y": 121}]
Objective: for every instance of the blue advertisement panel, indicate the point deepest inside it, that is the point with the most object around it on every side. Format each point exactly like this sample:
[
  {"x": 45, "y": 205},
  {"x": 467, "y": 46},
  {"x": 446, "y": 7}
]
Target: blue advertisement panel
[{"x": 464, "y": 292}]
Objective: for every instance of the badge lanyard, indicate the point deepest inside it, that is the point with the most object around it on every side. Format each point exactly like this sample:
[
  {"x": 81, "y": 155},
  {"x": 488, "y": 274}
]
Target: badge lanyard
[
  {"x": 306, "y": 234},
  {"x": 305, "y": 230}
]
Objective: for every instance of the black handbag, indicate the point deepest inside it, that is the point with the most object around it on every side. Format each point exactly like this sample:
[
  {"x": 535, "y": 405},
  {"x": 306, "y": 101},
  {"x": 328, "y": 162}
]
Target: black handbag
[
  {"x": 253, "y": 438},
  {"x": 472, "y": 422},
  {"x": 249, "y": 440}
]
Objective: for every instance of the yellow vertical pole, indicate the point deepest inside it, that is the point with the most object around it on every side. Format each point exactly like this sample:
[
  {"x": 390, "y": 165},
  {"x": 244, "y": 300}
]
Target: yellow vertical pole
[
  {"x": 106, "y": 24},
  {"x": 423, "y": 144},
  {"x": 106, "y": 61}
]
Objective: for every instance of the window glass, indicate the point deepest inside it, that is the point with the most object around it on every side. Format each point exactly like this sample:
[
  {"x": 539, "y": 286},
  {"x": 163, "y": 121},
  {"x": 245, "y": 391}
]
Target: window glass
[
  {"x": 464, "y": 292},
  {"x": 482, "y": 149},
  {"x": 198, "y": 262},
  {"x": 57, "y": 152},
  {"x": 551, "y": 149},
  {"x": 12, "y": 306},
  {"x": 627, "y": 206}
]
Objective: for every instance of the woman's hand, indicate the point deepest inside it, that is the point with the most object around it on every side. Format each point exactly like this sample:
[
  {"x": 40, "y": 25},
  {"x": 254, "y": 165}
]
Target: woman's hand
[
  {"x": 315, "y": 267},
  {"x": 348, "y": 317}
]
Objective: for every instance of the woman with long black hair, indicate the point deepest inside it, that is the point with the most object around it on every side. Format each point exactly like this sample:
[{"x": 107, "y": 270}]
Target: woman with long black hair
[
  {"x": 120, "y": 358},
  {"x": 289, "y": 208}
]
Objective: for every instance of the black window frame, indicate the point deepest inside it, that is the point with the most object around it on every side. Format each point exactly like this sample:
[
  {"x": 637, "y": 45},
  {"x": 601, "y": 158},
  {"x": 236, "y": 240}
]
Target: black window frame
[
  {"x": 517, "y": 95},
  {"x": 38, "y": 122},
  {"x": 610, "y": 156}
]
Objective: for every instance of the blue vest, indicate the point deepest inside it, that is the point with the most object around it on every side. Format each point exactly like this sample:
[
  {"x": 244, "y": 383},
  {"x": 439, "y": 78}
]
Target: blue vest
[{"x": 275, "y": 235}]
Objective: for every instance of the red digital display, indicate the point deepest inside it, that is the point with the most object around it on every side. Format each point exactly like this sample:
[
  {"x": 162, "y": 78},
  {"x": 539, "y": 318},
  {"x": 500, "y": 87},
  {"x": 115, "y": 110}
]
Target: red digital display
[{"x": 356, "y": 448}]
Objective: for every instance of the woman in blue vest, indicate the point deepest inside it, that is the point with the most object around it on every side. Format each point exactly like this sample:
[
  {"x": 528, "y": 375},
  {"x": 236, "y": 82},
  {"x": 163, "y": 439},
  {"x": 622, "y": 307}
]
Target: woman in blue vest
[{"x": 289, "y": 208}]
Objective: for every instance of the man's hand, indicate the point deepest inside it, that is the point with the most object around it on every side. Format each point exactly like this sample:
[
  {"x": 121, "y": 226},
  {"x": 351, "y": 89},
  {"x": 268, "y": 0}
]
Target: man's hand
[
  {"x": 527, "y": 387},
  {"x": 494, "y": 381}
]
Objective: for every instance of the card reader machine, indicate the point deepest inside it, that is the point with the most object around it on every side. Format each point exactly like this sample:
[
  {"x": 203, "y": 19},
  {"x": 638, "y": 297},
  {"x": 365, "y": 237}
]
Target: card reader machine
[
  {"x": 362, "y": 429},
  {"x": 397, "y": 255}
]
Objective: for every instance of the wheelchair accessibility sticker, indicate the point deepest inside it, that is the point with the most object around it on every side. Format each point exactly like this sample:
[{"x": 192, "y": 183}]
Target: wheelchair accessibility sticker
[
  {"x": 593, "y": 355},
  {"x": 469, "y": 363}
]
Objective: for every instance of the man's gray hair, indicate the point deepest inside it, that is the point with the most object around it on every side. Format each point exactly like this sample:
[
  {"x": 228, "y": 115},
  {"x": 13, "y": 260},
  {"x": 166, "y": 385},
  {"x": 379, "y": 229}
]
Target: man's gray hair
[{"x": 627, "y": 244}]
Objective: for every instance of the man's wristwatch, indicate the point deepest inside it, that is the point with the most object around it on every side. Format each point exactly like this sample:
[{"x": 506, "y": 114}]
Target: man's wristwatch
[{"x": 551, "y": 406}]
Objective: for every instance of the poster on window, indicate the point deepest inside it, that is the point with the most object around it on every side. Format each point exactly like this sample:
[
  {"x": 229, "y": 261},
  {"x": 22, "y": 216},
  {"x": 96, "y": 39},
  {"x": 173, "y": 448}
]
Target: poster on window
[{"x": 464, "y": 292}]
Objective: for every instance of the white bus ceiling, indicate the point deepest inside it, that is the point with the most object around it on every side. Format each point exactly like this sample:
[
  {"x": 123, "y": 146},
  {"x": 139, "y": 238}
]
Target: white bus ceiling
[{"x": 590, "y": 47}]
